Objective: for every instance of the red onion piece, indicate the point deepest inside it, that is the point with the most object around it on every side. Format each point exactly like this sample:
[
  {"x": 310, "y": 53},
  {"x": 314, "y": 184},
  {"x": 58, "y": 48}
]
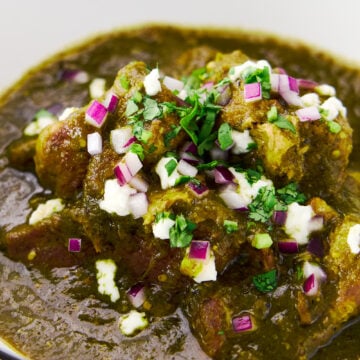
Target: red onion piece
[
  {"x": 190, "y": 158},
  {"x": 311, "y": 285},
  {"x": 208, "y": 85},
  {"x": 223, "y": 175},
  {"x": 307, "y": 84},
  {"x": 189, "y": 147},
  {"x": 173, "y": 84},
  {"x": 74, "y": 245},
  {"x": 139, "y": 184},
  {"x": 310, "y": 113},
  {"x": 252, "y": 92},
  {"x": 122, "y": 173},
  {"x": 184, "y": 168},
  {"x": 75, "y": 75},
  {"x": 133, "y": 163},
  {"x": 242, "y": 323},
  {"x": 316, "y": 247},
  {"x": 199, "y": 189},
  {"x": 136, "y": 295},
  {"x": 111, "y": 101},
  {"x": 288, "y": 246},
  {"x": 287, "y": 87},
  {"x": 199, "y": 250},
  {"x": 224, "y": 97},
  {"x": 96, "y": 114},
  {"x": 279, "y": 217},
  {"x": 138, "y": 205}
]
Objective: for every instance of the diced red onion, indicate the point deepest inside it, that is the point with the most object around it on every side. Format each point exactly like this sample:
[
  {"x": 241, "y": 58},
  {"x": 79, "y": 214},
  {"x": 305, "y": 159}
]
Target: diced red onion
[
  {"x": 96, "y": 114},
  {"x": 136, "y": 295},
  {"x": 252, "y": 92},
  {"x": 74, "y": 245},
  {"x": 199, "y": 189},
  {"x": 310, "y": 113},
  {"x": 121, "y": 139},
  {"x": 311, "y": 285},
  {"x": 224, "y": 96},
  {"x": 190, "y": 158},
  {"x": 223, "y": 175},
  {"x": 111, "y": 101},
  {"x": 280, "y": 70},
  {"x": 279, "y": 217},
  {"x": 287, "y": 87},
  {"x": 184, "y": 168},
  {"x": 208, "y": 85},
  {"x": 173, "y": 84},
  {"x": 288, "y": 246},
  {"x": 311, "y": 268},
  {"x": 242, "y": 323},
  {"x": 122, "y": 173},
  {"x": 133, "y": 163},
  {"x": 139, "y": 184},
  {"x": 199, "y": 250},
  {"x": 307, "y": 84},
  {"x": 75, "y": 75},
  {"x": 94, "y": 143},
  {"x": 316, "y": 247},
  {"x": 138, "y": 204},
  {"x": 316, "y": 223},
  {"x": 189, "y": 147}
]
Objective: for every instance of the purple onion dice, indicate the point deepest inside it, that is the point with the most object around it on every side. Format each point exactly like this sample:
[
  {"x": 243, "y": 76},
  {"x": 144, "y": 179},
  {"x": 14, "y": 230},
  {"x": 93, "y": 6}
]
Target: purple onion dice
[
  {"x": 242, "y": 323},
  {"x": 74, "y": 245}
]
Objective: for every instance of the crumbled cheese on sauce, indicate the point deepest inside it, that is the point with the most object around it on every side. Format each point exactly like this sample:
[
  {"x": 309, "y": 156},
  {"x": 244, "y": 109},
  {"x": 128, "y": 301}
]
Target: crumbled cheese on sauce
[
  {"x": 301, "y": 222},
  {"x": 36, "y": 126},
  {"x": 116, "y": 198},
  {"x": 310, "y": 99},
  {"x": 241, "y": 140},
  {"x": 67, "y": 112},
  {"x": 208, "y": 271},
  {"x": 239, "y": 71},
  {"x": 161, "y": 229},
  {"x": 132, "y": 322},
  {"x": 166, "y": 180},
  {"x": 45, "y": 210},
  {"x": 105, "y": 276},
  {"x": 94, "y": 143},
  {"x": 353, "y": 239},
  {"x": 332, "y": 107},
  {"x": 325, "y": 90},
  {"x": 152, "y": 83},
  {"x": 97, "y": 88}
]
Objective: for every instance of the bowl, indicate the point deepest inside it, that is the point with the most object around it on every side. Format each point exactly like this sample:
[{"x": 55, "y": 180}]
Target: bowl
[{"x": 35, "y": 30}]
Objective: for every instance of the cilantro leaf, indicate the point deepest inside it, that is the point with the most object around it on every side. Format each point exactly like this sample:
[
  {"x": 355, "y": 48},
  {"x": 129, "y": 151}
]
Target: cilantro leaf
[
  {"x": 290, "y": 194},
  {"x": 138, "y": 150},
  {"x": 266, "y": 282},
  {"x": 170, "y": 166},
  {"x": 231, "y": 226},
  {"x": 224, "y": 136},
  {"x": 151, "y": 109},
  {"x": 140, "y": 133},
  {"x": 262, "y": 207},
  {"x": 131, "y": 108},
  {"x": 280, "y": 121},
  {"x": 262, "y": 76},
  {"x": 181, "y": 232}
]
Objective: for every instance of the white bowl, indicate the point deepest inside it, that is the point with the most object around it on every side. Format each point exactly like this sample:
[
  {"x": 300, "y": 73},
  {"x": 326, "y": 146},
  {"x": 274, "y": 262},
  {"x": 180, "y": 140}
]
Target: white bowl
[{"x": 32, "y": 30}]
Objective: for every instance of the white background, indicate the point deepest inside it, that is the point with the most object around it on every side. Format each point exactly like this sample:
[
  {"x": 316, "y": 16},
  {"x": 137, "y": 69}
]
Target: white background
[{"x": 31, "y": 30}]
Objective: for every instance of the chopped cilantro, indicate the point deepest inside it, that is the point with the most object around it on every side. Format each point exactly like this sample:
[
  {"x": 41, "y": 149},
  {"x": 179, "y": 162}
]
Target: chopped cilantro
[
  {"x": 334, "y": 127},
  {"x": 137, "y": 97},
  {"x": 181, "y": 232},
  {"x": 231, "y": 226},
  {"x": 252, "y": 146},
  {"x": 262, "y": 241},
  {"x": 131, "y": 108},
  {"x": 140, "y": 133},
  {"x": 183, "y": 179},
  {"x": 262, "y": 207},
  {"x": 208, "y": 166},
  {"x": 266, "y": 282},
  {"x": 164, "y": 215},
  {"x": 224, "y": 136},
  {"x": 280, "y": 121},
  {"x": 262, "y": 76},
  {"x": 151, "y": 109},
  {"x": 171, "y": 134},
  {"x": 124, "y": 82},
  {"x": 138, "y": 150},
  {"x": 290, "y": 193},
  {"x": 196, "y": 78},
  {"x": 252, "y": 176},
  {"x": 170, "y": 166}
]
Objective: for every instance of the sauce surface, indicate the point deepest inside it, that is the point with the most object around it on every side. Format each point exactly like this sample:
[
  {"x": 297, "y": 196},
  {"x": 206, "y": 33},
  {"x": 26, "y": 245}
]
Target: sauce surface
[{"x": 45, "y": 314}]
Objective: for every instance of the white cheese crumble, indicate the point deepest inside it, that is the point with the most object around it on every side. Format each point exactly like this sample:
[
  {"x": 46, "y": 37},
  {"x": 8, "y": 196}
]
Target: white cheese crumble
[
  {"x": 331, "y": 108},
  {"x": 116, "y": 198},
  {"x": 97, "y": 88},
  {"x": 161, "y": 229},
  {"x": 105, "y": 276},
  {"x": 36, "y": 126},
  {"x": 152, "y": 83},
  {"x": 242, "y": 70},
  {"x": 166, "y": 180},
  {"x": 133, "y": 322},
  {"x": 325, "y": 90},
  {"x": 301, "y": 222},
  {"x": 94, "y": 143},
  {"x": 45, "y": 210},
  {"x": 241, "y": 140},
  {"x": 353, "y": 239},
  {"x": 245, "y": 192},
  {"x": 310, "y": 99}
]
